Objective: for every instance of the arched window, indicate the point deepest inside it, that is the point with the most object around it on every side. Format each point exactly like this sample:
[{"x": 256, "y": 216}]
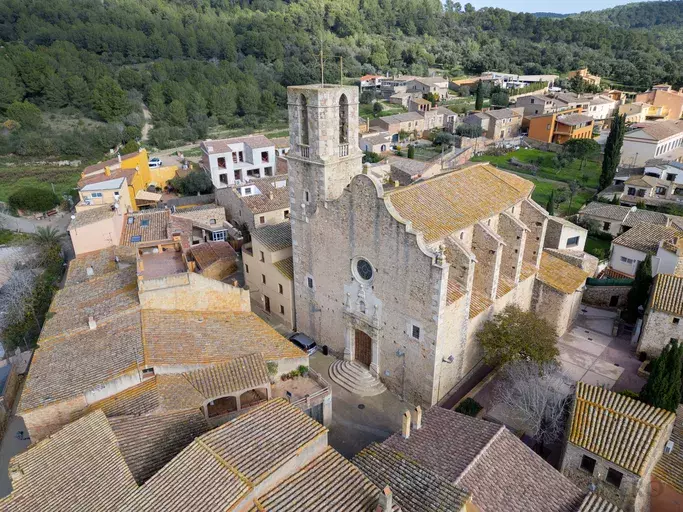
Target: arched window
[
  {"x": 343, "y": 120},
  {"x": 304, "y": 120}
]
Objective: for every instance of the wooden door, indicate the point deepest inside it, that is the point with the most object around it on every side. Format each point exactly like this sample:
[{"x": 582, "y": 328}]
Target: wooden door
[
  {"x": 363, "y": 348},
  {"x": 267, "y": 303}
]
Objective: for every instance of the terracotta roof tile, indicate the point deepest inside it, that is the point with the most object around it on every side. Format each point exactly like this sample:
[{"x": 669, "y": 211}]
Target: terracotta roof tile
[
  {"x": 149, "y": 442},
  {"x": 478, "y": 303},
  {"x": 223, "y": 379},
  {"x": 145, "y": 227},
  {"x": 661, "y": 130},
  {"x": 208, "y": 216},
  {"x": 416, "y": 488},
  {"x": 78, "y": 468},
  {"x": 560, "y": 275},
  {"x": 274, "y": 237},
  {"x": 100, "y": 177},
  {"x": 90, "y": 216},
  {"x": 101, "y": 262},
  {"x": 669, "y": 469},
  {"x": 208, "y": 253},
  {"x": 328, "y": 484},
  {"x": 274, "y": 194},
  {"x": 667, "y": 294},
  {"x": 619, "y": 429},
  {"x": 140, "y": 399},
  {"x": 286, "y": 267},
  {"x": 454, "y": 290},
  {"x": 645, "y": 237},
  {"x": 451, "y": 201},
  {"x": 181, "y": 337},
  {"x": 594, "y": 503}
]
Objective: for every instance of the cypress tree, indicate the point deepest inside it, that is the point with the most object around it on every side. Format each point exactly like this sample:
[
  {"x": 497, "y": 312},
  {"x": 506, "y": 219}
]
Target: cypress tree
[
  {"x": 610, "y": 159},
  {"x": 663, "y": 386},
  {"x": 479, "y": 100},
  {"x": 411, "y": 151},
  {"x": 637, "y": 295},
  {"x": 551, "y": 203}
]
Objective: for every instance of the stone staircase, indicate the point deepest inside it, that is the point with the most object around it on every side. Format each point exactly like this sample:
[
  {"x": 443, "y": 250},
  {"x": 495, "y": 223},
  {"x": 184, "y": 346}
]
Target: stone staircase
[{"x": 355, "y": 378}]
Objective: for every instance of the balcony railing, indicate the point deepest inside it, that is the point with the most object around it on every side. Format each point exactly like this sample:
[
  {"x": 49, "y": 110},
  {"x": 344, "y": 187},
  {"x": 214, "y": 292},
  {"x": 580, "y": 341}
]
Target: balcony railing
[
  {"x": 343, "y": 150},
  {"x": 304, "y": 150}
]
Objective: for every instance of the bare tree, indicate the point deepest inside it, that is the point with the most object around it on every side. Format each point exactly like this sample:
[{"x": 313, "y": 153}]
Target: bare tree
[
  {"x": 536, "y": 395},
  {"x": 17, "y": 295}
]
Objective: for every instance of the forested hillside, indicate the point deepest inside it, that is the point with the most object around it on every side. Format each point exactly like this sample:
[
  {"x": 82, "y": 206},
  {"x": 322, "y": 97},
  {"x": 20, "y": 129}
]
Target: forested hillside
[{"x": 198, "y": 63}]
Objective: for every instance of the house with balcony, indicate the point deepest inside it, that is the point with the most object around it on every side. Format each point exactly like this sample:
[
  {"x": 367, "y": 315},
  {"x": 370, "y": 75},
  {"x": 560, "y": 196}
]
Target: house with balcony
[
  {"x": 269, "y": 272},
  {"x": 662, "y": 140},
  {"x": 668, "y": 99},
  {"x": 559, "y": 127},
  {"x": 235, "y": 161},
  {"x": 258, "y": 202}
]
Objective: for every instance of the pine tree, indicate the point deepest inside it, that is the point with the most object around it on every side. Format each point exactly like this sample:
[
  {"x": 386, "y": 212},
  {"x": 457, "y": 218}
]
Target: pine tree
[
  {"x": 663, "y": 386},
  {"x": 551, "y": 203},
  {"x": 610, "y": 159},
  {"x": 637, "y": 295},
  {"x": 479, "y": 100},
  {"x": 411, "y": 151}
]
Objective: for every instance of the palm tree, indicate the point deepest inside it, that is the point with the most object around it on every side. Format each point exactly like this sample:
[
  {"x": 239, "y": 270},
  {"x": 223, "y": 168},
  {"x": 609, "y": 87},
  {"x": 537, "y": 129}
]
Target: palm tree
[{"x": 48, "y": 236}]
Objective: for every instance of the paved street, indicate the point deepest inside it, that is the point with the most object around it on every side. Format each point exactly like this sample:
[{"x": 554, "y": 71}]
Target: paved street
[{"x": 11, "y": 445}]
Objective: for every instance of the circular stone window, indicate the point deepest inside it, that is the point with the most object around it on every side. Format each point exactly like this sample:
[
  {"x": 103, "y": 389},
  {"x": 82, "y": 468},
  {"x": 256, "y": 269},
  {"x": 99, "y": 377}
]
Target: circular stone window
[{"x": 364, "y": 270}]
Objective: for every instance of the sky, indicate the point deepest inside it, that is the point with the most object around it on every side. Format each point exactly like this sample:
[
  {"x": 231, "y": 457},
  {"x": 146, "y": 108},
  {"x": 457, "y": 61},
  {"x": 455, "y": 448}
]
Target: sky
[{"x": 545, "y": 6}]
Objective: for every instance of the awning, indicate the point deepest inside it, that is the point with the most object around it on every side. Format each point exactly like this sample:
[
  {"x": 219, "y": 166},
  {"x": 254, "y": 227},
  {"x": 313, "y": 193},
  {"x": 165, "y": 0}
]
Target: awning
[{"x": 147, "y": 196}]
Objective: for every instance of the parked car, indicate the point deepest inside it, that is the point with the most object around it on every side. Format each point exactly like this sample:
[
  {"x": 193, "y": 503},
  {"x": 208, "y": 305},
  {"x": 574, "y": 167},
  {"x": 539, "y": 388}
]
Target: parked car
[
  {"x": 154, "y": 163},
  {"x": 304, "y": 343}
]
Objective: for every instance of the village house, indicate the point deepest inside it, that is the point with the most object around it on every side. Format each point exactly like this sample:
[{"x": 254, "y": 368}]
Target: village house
[
  {"x": 663, "y": 314},
  {"x": 613, "y": 443},
  {"x": 411, "y": 123},
  {"x": 258, "y": 202},
  {"x": 499, "y": 124},
  {"x": 123, "y": 180},
  {"x": 454, "y": 452},
  {"x": 395, "y": 85},
  {"x": 273, "y": 457},
  {"x": 639, "y": 112},
  {"x": 651, "y": 191},
  {"x": 553, "y": 102},
  {"x": 512, "y": 81},
  {"x": 407, "y": 170},
  {"x": 585, "y": 75},
  {"x": 238, "y": 160},
  {"x": 476, "y": 248},
  {"x": 559, "y": 127},
  {"x": 372, "y": 83},
  {"x": 615, "y": 219},
  {"x": 268, "y": 272},
  {"x": 564, "y": 235},
  {"x": 430, "y": 85},
  {"x": 662, "y": 140},
  {"x": 662, "y": 243},
  {"x": 662, "y": 95}
]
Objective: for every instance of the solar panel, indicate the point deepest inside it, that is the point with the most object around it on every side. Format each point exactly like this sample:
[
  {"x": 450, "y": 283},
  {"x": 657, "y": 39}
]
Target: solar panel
[
  {"x": 136, "y": 238},
  {"x": 144, "y": 222}
]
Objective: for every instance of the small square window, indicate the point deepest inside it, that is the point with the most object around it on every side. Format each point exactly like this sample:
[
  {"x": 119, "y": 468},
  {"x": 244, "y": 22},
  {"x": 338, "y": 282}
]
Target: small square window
[
  {"x": 676, "y": 320},
  {"x": 614, "y": 477},
  {"x": 262, "y": 219},
  {"x": 606, "y": 226},
  {"x": 415, "y": 332},
  {"x": 282, "y": 310},
  {"x": 280, "y": 289},
  {"x": 588, "y": 464},
  {"x": 212, "y": 221},
  {"x": 286, "y": 214},
  {"x": 263, "y": 278}
]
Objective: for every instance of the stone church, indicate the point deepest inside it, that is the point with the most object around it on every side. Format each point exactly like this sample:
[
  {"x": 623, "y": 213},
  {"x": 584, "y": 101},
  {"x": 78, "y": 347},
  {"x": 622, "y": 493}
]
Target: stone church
[{"x": 396, "y": 281}]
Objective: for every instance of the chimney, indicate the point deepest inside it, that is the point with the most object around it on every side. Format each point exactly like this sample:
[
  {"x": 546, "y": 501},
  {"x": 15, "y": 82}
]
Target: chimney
[
  {"x": 386, "y": 500},
  {"x": 107, "y": 171},
  {"x": 119, "y": 157},
  {"x": 91, "y": 323},
  {"x": 418, "y": 417},
  {"x": 405, "y": 430},
  {"x": 270, "y": 195}
]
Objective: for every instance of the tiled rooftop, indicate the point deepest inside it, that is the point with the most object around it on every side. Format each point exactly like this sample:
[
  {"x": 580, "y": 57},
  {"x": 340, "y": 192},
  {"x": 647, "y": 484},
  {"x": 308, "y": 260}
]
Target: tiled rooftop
[
  {"x": 594, "y": 503},
  {"x": 454, "y": 200},
  {"x": 207, "y": 216},
  {"x": 560, "y": 275},
  {"x": 66, "y": 367},
  {"x": 145, "y": 227},
  {"x": 78, "y": 468},
  {"x": 208, "y": 253},
  {"x": 416, "y": 488},
  {"x": 667, "y": 294},
  {"x": 645, "y": 237},
  {"x": 223, "y": 145},
  {"x": 149, "y": 442},
  {"x": 669, "y": 469},
  {"x": 264, "y": 202},
  {"x": 102, "y": 262},
  {"x": 619, "y": 429},
  {"x": 100, "y": 177},
  {"x": 286, "y": 267},
  {"x": 91, "y": 215},
  {"x": 500, "y": 471},
  {"x": 223, "y": 379},
  {"x": 185, "y": 338},
  {"x": 274, "y": 237},
  {"x": 661, "y": 130}
]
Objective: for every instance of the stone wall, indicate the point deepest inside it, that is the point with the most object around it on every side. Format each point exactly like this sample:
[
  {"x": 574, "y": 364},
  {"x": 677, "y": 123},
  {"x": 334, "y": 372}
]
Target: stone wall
[
  {"x": 45, "y": 421},
  {"x": 658, "y": 329},
  {"x": 601, "y": 296},
  {"x": 220, "y": 269},
  {"x": 514, "y": 233},
  {"x": 560, "y": 309},
  {"x": 487, "y": 246},
  {"x": 535, "y": 218}
]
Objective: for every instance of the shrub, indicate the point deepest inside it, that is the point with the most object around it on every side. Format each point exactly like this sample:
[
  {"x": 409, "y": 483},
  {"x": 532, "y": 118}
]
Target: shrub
[
  {"x": 272, "y": 367},
  {"x": 302, "y": 369},
  {"x": 469, "y": 406},
  {"x": 33, "y": 199},
  {"x": 468, "y": 130},
  {"x": 197, "y": 182}
]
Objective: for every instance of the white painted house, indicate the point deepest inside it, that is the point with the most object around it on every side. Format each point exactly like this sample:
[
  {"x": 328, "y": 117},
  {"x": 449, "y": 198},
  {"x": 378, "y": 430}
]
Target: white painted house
[
  {"x": 660, "y": 139},
  {"x": 235, "y": 161},
  {"x": 664, "y": 244}
]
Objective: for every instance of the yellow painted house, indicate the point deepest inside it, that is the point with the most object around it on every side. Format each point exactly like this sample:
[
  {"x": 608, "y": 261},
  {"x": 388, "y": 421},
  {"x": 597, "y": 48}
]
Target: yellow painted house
[{"x": 123, "y": 180}]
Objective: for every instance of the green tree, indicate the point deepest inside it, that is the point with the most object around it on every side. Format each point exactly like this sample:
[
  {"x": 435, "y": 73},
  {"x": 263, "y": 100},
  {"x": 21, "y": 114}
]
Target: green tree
[
  {"x": 197, "y": 182},
  {"x": 479, "y": 98},
  {"x": 48, "y": 236},
  {"x": 33, "y": 199},
  {"x": 581, "y": 149},
  {"x": 25, "y": 113},
  {"x": 130, "y": 147},
  {"x": 268, "y": 104},
  {"x": 610, "y": 159},
  {"x": 223, "y": 103},
  {"x": 500, "y": 99},
  {"x": 550, "y": 207},
  {"x": 514, "y": 335},
  {"x": 109, "y": 100},
  {"x": 176, "y": 113},
  {"x": 411, "y": 151},
  {"x": 663, "y": 386},
  {"x": 640, "y": 289},
  {"x": 377, "y": 107}
]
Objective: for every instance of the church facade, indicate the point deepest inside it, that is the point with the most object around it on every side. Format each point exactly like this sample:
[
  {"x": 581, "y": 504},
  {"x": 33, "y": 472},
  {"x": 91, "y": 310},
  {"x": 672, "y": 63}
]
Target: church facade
[{"x": 400, "y": 279}]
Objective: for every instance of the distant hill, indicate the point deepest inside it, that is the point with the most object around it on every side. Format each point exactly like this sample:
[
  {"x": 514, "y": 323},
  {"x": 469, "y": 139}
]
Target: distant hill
[
  {"x": 639, "y": 14},
  {"x": 550, "y": 15}
]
